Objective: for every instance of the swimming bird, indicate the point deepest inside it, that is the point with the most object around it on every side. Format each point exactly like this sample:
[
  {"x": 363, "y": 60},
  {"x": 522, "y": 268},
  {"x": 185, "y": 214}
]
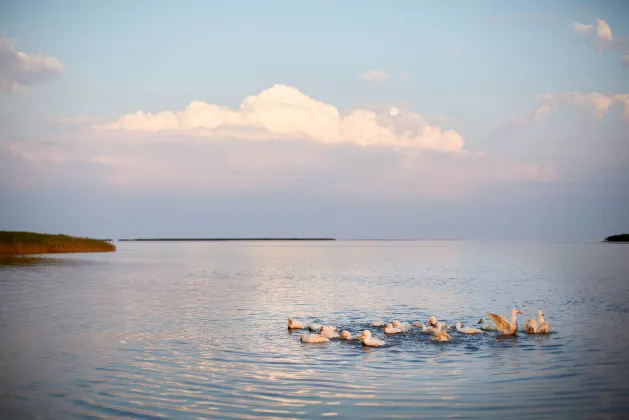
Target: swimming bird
[
  {"x": 295, "y": 325},
  {"x": 328, "y": 332},
  {"x": 346, "y": 335},
  {"x": 369, "y": 341},
  {"x": 377, "y": 324},
  {"x": 466, "y": 330},
  {"x": 426, "y": 330},
  {"x": 432, "y": 321},
  {"x": 485, "y": 326},
  {"x": 314, "y": 327},
  {"x": 401, "y": 325},
  {"x": 441, "y": 336},
  {"x": 537, "y": 327},
  {"x": 313, "y": 338},
  {"x": 504, "y": 326},
  {"x": 388, "y": 329}
]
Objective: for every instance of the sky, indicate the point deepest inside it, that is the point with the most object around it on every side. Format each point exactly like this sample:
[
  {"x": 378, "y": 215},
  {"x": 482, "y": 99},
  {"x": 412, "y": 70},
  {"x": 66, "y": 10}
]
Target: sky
[{"x": 407, "y": 119}]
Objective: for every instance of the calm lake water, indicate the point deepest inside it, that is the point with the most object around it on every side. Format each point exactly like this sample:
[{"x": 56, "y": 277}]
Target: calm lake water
[{"x": 198, "y": 330}]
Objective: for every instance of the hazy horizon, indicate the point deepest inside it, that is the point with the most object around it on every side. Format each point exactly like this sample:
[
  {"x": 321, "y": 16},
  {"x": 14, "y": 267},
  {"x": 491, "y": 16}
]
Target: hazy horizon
[{"x": 413, "y": 120}]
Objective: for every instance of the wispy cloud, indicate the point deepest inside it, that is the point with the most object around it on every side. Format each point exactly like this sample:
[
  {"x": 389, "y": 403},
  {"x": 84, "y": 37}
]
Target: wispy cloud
[
  {"x": 19, "y": 70},
  {"x": 581, "y": 27},
  {"x": 605, "y": 38},
  {"x": 375, "y": 76},
  {"x": 597, "y": 102}
]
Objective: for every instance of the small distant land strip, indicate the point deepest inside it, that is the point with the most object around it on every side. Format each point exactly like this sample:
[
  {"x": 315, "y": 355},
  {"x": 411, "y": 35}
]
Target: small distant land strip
[
  {"x": 22, "y": 243},
  {"x": 623, "y": 237},
  {"x": 224, "y": 239}
]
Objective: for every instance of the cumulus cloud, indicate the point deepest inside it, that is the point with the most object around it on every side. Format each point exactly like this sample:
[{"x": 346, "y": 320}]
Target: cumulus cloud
[
  {"x": 19, "y": 70},
  {"x": 375, "y": 75},
  {"x": 597, "y": 102},
  {"x": 284, "y": 113}
]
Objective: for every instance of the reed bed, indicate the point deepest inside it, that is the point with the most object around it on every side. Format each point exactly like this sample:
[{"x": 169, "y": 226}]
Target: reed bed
[{"x": 21, "y": 243}]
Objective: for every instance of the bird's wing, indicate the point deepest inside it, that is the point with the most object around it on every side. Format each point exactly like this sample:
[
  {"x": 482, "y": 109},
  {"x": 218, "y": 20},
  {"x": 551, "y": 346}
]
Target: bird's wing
[{"x": 501, "y": 322}]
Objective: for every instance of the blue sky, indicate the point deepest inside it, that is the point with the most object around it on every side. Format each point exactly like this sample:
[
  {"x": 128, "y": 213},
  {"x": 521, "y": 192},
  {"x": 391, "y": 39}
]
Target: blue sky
[{"x": 475, "y": 69}]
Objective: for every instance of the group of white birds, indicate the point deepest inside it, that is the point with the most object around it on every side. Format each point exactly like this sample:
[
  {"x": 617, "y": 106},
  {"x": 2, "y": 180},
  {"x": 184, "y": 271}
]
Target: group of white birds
[{"x": 438, "y": 330}]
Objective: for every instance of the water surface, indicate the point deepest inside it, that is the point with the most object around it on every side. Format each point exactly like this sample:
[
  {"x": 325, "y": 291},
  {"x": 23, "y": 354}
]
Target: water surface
[{"x": 198, "y": 330}]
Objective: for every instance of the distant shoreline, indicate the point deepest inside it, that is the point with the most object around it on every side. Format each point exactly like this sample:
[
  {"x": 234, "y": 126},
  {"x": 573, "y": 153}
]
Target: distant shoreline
[
  {"x": 621, "y": 238},
  {"x": 221, "y": 239},
  {"x": 29, "y": 243}
]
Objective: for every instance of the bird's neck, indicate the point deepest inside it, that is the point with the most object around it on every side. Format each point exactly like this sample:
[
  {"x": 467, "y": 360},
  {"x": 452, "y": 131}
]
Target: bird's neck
[{"x": 541, "y": 318}]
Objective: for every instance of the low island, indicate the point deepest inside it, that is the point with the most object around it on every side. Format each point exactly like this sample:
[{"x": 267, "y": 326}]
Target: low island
[
  {"x": 623, "y": 237},
  {"x": 221, "y": 239},
  {"x": 22, "y": 243}
]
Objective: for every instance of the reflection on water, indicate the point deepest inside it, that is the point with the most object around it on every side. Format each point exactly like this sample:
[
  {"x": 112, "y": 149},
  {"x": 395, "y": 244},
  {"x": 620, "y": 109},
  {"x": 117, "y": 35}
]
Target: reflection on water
[{"x": 199, "y": 330}]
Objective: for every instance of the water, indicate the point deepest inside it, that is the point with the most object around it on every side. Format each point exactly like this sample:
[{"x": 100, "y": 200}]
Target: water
[{"x": 198, "y": 330}]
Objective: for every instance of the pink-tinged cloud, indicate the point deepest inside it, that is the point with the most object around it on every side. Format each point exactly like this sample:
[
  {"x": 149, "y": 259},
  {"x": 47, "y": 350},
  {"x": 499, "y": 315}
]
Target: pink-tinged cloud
[
  {"x": 19, "y": 70},
  {"x": 597, "y": 102},
  {"x": 284, "y": 113},
  {"x": 605, "y": 38}
]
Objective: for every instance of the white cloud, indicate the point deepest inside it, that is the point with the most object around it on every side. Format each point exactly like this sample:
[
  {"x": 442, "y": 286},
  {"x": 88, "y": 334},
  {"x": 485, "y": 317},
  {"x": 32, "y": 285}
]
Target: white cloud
[
  {"x": 284, "y": 113},
  {"x": 603, "y": 31},
  {"x": 598, "y": 102},
  {"x": 375, "y": 75},
  {"x": 19, "y": 70}
]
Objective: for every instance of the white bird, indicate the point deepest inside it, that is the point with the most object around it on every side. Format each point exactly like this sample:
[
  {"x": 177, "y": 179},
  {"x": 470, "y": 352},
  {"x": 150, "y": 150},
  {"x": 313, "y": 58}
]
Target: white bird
[
  {"x": 370, "y": 341},
  {"x": 537, "y": 327},
  {"x": 438, "y": 324},
  {"x": 466, "y": 330},
  {"x": 401, "y": 325},
  {"x": 388, "y": 329},
  {"x": 377, "y": 324},
  {"x": 426, "y": 330},
  {"x": 441, "y": 336},
  {"x": 346, "y": 335},
  {"x": 485, "y": 326},
  {"x": 313, "y": 338},
  {"x": 328, "y": 332},
  {"x": 295, "y": 325},
  {"x": 314, "y": 327},
  {"x": 504, "y": 326}
]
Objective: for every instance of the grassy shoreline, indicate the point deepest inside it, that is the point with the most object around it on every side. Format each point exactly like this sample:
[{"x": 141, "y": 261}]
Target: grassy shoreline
[{"x": 29, "y": 243}]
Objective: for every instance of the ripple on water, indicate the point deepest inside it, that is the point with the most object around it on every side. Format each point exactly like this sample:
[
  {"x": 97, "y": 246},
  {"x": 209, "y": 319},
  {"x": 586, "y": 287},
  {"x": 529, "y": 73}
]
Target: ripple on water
[{"x": 199, "y": 331}]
